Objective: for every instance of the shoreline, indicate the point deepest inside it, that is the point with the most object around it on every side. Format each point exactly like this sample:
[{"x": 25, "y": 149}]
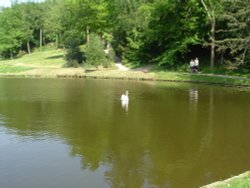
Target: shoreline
[{"x": 80, "y": 73}]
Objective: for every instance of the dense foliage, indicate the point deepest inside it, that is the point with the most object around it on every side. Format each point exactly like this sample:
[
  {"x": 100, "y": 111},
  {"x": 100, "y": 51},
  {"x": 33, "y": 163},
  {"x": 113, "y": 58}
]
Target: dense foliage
[
  {"x": 74, "y": 56},
  {"x": 164, "y": 32},
  {"x": 95, "y": 52}
]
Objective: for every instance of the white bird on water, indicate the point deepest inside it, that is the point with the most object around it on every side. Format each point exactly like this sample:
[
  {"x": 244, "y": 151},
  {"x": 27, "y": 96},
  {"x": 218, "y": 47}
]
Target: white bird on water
[{"x": 125, "y": 97}]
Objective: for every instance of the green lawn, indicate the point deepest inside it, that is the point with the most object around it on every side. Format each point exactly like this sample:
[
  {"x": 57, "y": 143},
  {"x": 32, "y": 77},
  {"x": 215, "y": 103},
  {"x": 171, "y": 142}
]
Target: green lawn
[
  {"x": 241, "y": 181},
  {"x": 46, "y": 58},
  {"x": 13, "y": 69}
]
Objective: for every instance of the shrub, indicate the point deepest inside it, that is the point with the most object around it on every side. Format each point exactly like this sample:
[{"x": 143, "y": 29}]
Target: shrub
[
  {"x": 74, "y": 55},
  {"x": 95, "y": 54}
]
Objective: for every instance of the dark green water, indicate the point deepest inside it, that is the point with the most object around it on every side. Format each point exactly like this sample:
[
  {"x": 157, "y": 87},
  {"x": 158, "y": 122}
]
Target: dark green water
[{"x": 76, "y": 133}]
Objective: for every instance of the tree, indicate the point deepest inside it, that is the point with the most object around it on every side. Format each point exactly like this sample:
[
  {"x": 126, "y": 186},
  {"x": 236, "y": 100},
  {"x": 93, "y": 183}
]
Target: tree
[
  {"x": 39, "y": 10},
  {"x": 11, "y": 35},
  {"x": 27, "y": 25},
  {"x": 212, "y": 8},
  {"x": 130, "y": 20},
  {"x": 234, "y": 31},
  {"x": 164, "y": 32},
  {"x": 95, "y": 54},
  {"x": 74, "y": 56},
  {"x": 33, "y": 23},
  {"x": 91, "y": 15},
  {"x": 53, "y": 20}
]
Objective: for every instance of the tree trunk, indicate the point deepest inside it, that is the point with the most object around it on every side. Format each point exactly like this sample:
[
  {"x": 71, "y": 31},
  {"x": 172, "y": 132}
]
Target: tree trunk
[
  {"x": 244, "y": 55},
  {"x": 11, "y": 54},
  {"x": 222, "y": 57},
  {"x": 212, "y": 57},
  {"x": 41, "y": 39},
  {"x": 28, "y": 47},
  {"x": 57, "y": 40},
  {"x": 211, "y": 15},
  {"x": 88, "y": 38}
]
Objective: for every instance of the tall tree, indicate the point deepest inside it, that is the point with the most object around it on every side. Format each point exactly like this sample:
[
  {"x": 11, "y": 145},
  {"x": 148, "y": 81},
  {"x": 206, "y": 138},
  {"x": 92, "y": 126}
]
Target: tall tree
[
  {"x": 33, "y": 20},
  {"x": 212, "y": 8},
  {"x": 91, "y": 15},
  {"x": 165, "y": 32},
  {"x": 234, "y": 31},
  {"x": 11, "y": 35},
  {"x": 129, "y": 19},
  {"x": 27, "y": 25},
  {"x": 53, "y": 20}
]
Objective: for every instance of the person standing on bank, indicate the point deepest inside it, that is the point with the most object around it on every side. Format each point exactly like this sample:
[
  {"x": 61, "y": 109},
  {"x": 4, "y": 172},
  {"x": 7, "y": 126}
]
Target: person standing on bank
[
  {"x": 191, "y": 65},
  {"x": 196, "y": 64}
]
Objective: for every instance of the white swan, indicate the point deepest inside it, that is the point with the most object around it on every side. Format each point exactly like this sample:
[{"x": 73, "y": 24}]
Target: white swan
[{"x": 125, "y": 97}]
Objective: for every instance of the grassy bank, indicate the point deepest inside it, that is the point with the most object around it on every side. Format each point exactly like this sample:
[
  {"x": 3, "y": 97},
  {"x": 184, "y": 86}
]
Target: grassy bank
[
  {"x": 49, "y": 63},
  {"x": 241, "y": 181},
  {"x": 203, "y": 78}
]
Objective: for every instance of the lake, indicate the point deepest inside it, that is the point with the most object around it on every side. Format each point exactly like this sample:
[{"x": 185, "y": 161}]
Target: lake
[{"x": 61, "y": 133}]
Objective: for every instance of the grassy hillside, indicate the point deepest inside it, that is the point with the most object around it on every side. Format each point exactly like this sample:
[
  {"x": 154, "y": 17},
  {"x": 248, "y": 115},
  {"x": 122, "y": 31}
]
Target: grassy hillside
[{"x": 47, "y": 58}]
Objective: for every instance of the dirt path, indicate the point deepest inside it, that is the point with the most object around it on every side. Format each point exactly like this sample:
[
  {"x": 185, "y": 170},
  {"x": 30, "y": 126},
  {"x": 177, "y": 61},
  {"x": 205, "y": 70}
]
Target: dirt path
[{"x": 121, "y": 67}]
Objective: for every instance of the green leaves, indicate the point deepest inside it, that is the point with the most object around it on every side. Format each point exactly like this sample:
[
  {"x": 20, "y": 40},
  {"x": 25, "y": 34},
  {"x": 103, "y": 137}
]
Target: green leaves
[
  {"x": 233, "y": 32},
  {"x": 140, "y": 31},
  {"x": 11, "y": 34},
  {"x": 95, "y": 54},
  {"x": 93, "y": 14},
  {"x": 165, "y": 33}
]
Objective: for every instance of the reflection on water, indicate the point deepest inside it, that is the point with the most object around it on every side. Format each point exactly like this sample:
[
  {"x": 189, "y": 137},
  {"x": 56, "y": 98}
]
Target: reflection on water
[
  {"x": 73, "y": 133},
  {"x": 193, "y": 95}
]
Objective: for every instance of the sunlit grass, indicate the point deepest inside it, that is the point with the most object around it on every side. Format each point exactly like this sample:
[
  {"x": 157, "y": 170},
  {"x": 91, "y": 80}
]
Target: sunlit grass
[
  {"x": 13, "y": 69},
  {"x": 44, "y": 58},
  {"x": 241, "y": 181}
]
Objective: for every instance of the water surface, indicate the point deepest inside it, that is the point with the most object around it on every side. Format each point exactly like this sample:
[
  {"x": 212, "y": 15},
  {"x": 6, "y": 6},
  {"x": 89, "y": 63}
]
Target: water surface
[{"x": 77, "y": 133}]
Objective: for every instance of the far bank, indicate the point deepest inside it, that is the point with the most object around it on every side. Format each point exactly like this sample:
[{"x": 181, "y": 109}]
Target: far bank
[
  {"x": 49, "y": 63},
  {"x": 54, "y": 72}
]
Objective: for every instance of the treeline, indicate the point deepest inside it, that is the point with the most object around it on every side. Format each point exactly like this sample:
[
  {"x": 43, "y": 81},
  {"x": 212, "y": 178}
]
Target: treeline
[{"x": 164, "y": 32}]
